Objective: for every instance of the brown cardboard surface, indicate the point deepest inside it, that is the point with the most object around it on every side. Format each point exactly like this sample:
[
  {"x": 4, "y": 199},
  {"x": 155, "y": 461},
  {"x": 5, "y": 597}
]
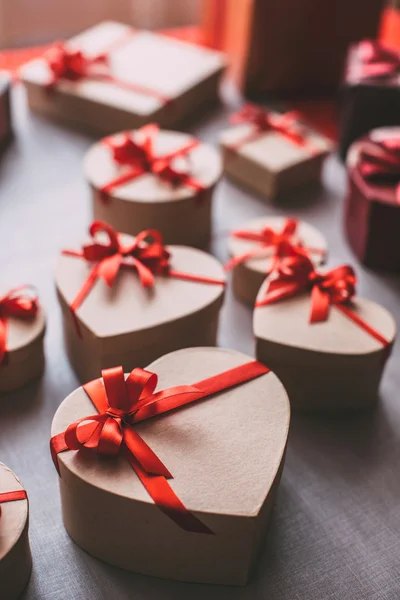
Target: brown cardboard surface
[
  {"x": 25, "y": 346},
  {"x": 15, "y": 556},
  {"x": 272, "y": 164},
  {"x": 182, "y": 216},
  {"x": 171, "y": 67},
  {"x": 200, "y": 445},
  {"x": 324, "y": 366},
  {"x": 129, "y": 320},
  {"x": 248, "y": 276}
]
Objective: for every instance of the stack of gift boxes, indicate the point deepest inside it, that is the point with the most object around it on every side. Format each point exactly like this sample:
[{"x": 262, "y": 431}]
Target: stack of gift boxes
[{"x": 141, "y": 299}]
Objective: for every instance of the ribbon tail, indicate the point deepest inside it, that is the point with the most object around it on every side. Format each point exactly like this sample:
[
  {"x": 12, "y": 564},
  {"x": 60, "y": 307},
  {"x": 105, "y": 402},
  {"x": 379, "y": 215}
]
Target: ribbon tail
[
  {"x": 145, "y": 456},
  {"x": 145, "y": 275},
  {"x": 320, "y": 303},
  {"x": 108, "y": 268},
  {"x": 167, "y": 501}
]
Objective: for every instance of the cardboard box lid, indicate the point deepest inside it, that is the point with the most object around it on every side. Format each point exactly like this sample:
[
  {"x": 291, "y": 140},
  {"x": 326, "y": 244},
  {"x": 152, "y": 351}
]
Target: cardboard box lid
[
  {"x": 224, "y": 452},
  {"x": 203, "y": 164},
  {"x": 168, "y": 66},
  {"x": 307, "y": 234},
  {"x": 14, "y": 515},
  {"x": 287, "y": 322},
  {"x": 271, "y": 149},
  {"x": 129, "y": 313},
  {"x": 21, "y": 333}
]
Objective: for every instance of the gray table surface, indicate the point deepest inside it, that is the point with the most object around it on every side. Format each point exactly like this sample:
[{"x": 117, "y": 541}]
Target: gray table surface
[{"x": 335, "y": 529}]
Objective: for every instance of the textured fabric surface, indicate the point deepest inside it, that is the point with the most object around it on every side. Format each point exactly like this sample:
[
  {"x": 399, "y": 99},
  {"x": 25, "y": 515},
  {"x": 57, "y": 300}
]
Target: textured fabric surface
[{"x": 335, "y": 529}]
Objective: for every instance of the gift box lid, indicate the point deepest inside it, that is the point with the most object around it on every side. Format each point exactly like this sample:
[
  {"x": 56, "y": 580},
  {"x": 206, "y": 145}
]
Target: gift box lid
[
  {"x": 168, "y": 66},
  {"x": 130, "y": 313},
  {"x": 202, "y": 163},
  {"x": 14, "y": 515},
  {"x": 200, "y": 444}
]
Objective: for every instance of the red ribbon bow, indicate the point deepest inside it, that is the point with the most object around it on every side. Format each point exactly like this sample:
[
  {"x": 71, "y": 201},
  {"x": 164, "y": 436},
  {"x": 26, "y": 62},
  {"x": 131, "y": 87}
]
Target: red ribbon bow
[
  {"x": 337, "y": 287},
  {"x": 283, "y": 243},
  {"x": 137, "y": 154},
  {"x": 376, "y": 61},
  {"x": 17, "y": 303},
  {"x": 379, "y": 163},
  {"x": 287, "y": 124},
  {"x": 12, "y": 497},
  {"x": 74, "y": 65},
  {"x": 123, "y": 403},
  {"x": 146, "y": 254}
]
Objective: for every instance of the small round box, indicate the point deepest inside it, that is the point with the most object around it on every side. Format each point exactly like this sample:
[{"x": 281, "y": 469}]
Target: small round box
[
  {"x": 15, "y": 554},
  {"x": 249, "y": 274},
  {"x": 181, "y": 212}
]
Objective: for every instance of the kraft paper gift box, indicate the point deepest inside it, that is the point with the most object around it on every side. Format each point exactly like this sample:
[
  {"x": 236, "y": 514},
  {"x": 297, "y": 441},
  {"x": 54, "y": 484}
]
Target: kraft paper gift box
[
  {"x": 257, "y": 247},
  {"x": 206, "y": 521},
  {"x": 272, "y": 153},
  {"x": 328, "y": 346},
  {"x": 372, "y": 209},
  {"x": 154, "y": 179},
  {"x": 111, "y": 78},
  {"x": 156, "y": 300},
  {"x": 22, "y": 328},
  {"x": 370, "y": 93},
  {"x": 5, "y": 110},
  {"x": 15, "y": 554}
]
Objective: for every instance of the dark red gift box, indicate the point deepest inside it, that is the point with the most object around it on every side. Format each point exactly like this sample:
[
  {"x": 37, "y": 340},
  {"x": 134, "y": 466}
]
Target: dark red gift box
[
  {"x": 372, "y": 209},
  {"x": 370, "y": 94},
  {"x": 5, "y": 113}
]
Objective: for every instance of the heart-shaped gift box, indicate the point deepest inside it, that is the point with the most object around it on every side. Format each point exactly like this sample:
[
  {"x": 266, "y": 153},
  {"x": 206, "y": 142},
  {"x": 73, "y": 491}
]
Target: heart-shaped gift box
[
  {"x": 206, "y": 521},
  {"x": 144, "y": 309},
  {"x": 22, "y": 328},
  {"x": 328, "y": 346},
  {"x": 15, "y": 554},
  {"x": 155, "y": 179}
]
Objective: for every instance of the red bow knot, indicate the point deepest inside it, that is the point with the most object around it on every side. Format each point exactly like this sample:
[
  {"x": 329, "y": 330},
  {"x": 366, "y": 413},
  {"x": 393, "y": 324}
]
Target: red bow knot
[
  {"x": 70, "y": 64},
  {"x": 335, "y": 287},
  {"x": 138, "y": 154},
  {"x": 146, "y": 253},
  {"x": 376, "y": 61},
  {"x": 379, "y": 163},
  {"x": 20, "y": 302},
  {"x": 286, "y": 124}
]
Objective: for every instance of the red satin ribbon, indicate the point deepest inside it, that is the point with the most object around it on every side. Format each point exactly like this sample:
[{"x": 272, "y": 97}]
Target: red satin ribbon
[
  {"x": 17, "y": 303},
  {"x": 123, "y": 403},
  {"x": 75, "y": 65},
  {"x": 136, "y": 157},
  {"x": 12, "y": 497},
  {"x": 379, "y": 163},
  {"x": 146, "y": 254},
  {"x": 263, "y": 121},
  {"x": 374, "y": 61},
  {"x": 337, "y": 287},
  {"x": 283, "y": 243}
]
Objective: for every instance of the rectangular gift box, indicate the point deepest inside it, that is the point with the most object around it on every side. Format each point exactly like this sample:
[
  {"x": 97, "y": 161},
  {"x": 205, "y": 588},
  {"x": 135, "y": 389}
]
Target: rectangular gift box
[
  {"x": 5, "y": 112},
  {"x": 163, "y": 80},
  {"x": 366, "y": 102},
  {"x": 287, "y": 47},
  {"x": 271, "y": 163}
]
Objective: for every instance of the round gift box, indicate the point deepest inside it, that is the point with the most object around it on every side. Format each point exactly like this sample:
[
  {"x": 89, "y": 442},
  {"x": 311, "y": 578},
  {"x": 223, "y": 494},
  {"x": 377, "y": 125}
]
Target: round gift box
[
  {"x": 15, "y": 554},
  {"x": 248, "y": 276},
  {"x": 181, "y": 213},
  {"x": 372, "y": 210},
  {"x": 108, "y": 512},
  {"x": 131, "y": 325},
  {"x": 326, "y": 366},
  {"x": 25, "y": 357}
]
